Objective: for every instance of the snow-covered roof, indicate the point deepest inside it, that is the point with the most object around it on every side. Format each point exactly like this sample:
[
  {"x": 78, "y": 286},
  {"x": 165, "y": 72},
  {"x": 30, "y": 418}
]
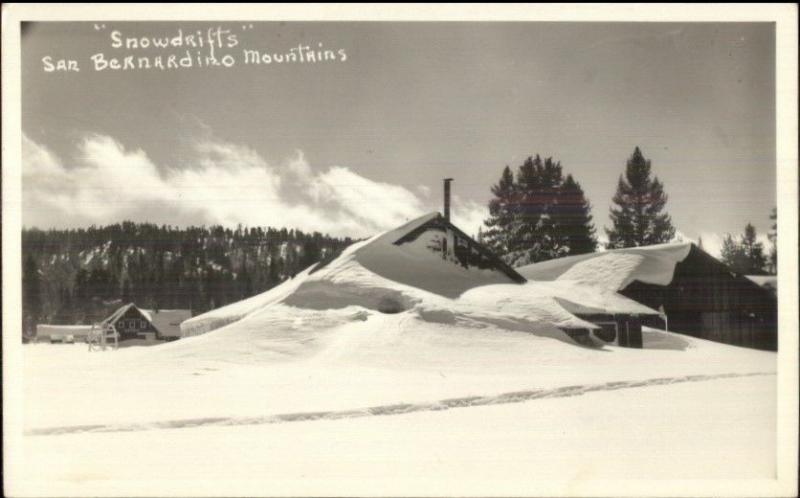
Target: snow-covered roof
[
  {"x": 613, "y": 269},
  {"x": 411, "y": 255},
  {"x": 766, "y": 281},
  {"x": 44, "y": 330},
  {"x": 118, "y": 313},
  {"x": 571, "y": 298},
  {"x": 167, "y": 322}
]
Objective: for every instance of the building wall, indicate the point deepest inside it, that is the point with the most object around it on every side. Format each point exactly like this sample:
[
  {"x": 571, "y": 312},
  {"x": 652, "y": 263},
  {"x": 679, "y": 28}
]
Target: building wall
[{"x": 132, "y": 325}]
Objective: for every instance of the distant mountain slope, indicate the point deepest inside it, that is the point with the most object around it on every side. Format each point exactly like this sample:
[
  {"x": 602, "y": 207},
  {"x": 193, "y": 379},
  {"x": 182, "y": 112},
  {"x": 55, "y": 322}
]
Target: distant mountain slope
[{"x": 78, "y": 275}]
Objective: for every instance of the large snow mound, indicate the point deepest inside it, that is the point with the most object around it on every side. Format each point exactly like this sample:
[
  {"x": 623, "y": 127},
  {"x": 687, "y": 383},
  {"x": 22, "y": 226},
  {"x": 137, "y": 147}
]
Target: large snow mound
[
  {"x": 405, "y": 270},
  {"x": 375, "y": 274},
  {"x": 614, "y": 269}
]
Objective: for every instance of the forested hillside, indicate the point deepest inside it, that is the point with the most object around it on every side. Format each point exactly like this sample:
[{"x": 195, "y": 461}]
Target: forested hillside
[{"x": 78, "y": 275}]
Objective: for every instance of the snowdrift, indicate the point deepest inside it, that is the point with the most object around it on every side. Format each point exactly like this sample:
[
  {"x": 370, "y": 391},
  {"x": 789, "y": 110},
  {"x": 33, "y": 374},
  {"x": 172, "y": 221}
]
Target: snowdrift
[
  {"x": 224, "y": 315},
  {"x": 613, "y": 270},
  {"x": 413, "y": 270}
]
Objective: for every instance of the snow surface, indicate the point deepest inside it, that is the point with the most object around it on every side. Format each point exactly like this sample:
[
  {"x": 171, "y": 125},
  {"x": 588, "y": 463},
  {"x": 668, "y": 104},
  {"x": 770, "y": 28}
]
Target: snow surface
[
  {"x": 367, "y": 372},
  {"x": 658, "y": 432},
  {"x": 342, "y": 401},
  {"x": 293, "y": 360},
  {"x": 613, "y": 269}
]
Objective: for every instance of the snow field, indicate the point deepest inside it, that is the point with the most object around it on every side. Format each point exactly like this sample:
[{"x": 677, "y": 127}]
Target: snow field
[{"x": 546, "y": 446}]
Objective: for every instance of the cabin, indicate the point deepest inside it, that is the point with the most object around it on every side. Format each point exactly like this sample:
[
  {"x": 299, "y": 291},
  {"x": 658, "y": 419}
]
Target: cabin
[
  {"x": 696, "y": 294},
  {"x": 143, "y": 326}
]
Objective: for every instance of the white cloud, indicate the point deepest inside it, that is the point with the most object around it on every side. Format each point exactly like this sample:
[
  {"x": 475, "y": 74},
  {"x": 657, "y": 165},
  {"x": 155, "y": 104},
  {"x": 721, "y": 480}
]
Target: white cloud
[
  {"x": 468, "y": 216},
  {"x": 226, "y": 184},
  {"x": 424, "y": 191}
]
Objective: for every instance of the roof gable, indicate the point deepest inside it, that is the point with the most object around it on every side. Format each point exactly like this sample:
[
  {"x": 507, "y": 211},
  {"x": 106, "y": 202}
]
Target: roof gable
[{"x": 486, "y": 258}]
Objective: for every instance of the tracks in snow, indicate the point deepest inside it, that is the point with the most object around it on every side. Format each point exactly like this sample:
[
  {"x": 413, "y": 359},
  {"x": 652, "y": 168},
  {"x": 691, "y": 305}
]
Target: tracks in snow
[{"x": 395, "y": 409}]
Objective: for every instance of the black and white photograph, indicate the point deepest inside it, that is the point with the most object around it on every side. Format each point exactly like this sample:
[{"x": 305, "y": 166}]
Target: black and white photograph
[{"x": 412, "y": 251}]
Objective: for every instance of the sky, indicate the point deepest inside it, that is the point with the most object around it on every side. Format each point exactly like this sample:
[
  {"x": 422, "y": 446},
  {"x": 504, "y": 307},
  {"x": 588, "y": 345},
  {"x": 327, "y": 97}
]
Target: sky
[{"x": 359, "y": 143}]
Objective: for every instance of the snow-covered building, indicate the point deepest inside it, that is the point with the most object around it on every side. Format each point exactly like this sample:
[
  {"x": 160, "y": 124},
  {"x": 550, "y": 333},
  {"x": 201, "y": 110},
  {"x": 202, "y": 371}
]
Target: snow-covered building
[
  {"x": 62, "y": 333},
  {"x": 435, "y": 272},
  {"x": 697, "y": 294},
  {"x": 146, "y": 326}
]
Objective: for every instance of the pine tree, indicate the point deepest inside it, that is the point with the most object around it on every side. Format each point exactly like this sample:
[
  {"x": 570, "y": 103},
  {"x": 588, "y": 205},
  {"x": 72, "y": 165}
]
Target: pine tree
[
  {"x": 773, "y": 238},
  {"x": 539, "y": 216},
  {"x": 501, "y": 214},
  {"x": 535, "y": 230},
  {"x": 574, "y": 218},
  {"x": 732, "y": 254},
  {"x": 523, "y": 240},
  {"x": 753, "y": 252},
  {"x": 638, "y": 219},
  {"x": 31, "y": 296},
  {"x": 549, "y": 240},
  {"x": 745, "y": 256}
]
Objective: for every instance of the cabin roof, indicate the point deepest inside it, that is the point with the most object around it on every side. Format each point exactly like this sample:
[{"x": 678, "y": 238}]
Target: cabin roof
[{"x": 62, "y": 330}]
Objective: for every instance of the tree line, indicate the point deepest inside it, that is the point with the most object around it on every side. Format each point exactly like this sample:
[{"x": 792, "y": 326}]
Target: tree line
[
  {"x": 79, "y": 275},
  {"x": 538, "y": 213}
]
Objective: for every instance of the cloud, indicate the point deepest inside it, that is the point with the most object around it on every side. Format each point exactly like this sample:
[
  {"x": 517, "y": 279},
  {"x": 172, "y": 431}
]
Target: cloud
[
  {"x": 226, "y": 184},
  {"x": 468, "y": 215}
]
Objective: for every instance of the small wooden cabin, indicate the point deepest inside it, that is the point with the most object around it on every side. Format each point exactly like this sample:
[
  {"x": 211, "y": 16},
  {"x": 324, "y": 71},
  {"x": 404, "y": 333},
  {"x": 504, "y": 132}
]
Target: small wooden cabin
[{"x": 134, "y": 323}]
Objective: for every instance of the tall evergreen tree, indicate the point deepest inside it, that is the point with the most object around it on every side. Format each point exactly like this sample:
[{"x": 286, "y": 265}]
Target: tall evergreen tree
[
  {"x": 574, "y": 218},
  {"x": 535, "y": 230},
  {"x": 753, "y": 251},
  {"x": 638, "y": 218},
  {"x": 745, "y": 256},
  {"x": 522, "y": 238},
  {"x": 502, "y": 212},
  {"x": 540, "y": 216},
  {"x": 732, "y": 255}
]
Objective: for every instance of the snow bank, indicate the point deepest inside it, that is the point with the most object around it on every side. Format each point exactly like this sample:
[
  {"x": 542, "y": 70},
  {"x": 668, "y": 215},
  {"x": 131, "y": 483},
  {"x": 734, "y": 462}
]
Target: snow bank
[{"x": 613, "y": 269}]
